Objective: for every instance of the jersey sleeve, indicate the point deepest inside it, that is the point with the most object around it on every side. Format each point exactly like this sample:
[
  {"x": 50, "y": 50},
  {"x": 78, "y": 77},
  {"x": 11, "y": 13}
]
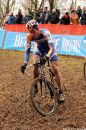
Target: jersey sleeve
[{"x": 28, "y": 47}]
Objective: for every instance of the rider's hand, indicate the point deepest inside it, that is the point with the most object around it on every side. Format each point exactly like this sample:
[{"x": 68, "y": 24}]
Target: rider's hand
[{"x": 23, "y": 67}]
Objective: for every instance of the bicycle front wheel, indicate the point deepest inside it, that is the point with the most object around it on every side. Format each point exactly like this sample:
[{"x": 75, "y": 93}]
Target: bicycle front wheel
[
  {"x": 84, "y": 69},
  {"x": 43, "y": 97}
]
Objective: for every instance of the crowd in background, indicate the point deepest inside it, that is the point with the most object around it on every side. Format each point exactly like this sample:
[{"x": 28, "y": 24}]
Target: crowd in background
[{"x": 44, "y": 16}]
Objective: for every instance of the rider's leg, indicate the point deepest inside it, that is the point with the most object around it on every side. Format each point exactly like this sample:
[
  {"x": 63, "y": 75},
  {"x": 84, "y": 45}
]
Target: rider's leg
[
  {"x": 36, "y": 70},
  {"x": 27, "y": 55},
  {"x": 36, "y": 57},
  {"x": 57, "y": 74}
]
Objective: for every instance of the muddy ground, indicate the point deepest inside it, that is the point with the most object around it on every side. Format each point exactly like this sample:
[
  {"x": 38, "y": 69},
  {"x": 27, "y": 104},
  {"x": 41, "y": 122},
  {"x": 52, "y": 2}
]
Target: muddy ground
[{"x": 16, "y": 110}]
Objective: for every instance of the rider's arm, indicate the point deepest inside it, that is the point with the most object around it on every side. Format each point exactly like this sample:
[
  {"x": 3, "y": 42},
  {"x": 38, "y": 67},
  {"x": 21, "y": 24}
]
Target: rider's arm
[
  {"x": 28, "y": 47},
  {"x": 50, "y": 50}
]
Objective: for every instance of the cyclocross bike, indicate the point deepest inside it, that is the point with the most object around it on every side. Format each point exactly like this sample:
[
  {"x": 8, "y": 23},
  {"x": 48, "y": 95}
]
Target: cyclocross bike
[
  {"x": 45, "y": 99},
  {"x": 84, "y": 69}
]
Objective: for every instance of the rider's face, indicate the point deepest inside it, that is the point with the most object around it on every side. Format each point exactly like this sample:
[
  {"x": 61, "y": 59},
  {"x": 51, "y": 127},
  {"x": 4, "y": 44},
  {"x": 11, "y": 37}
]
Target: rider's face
[
  {"x": 30, "y": 30},
  {"x": 35, "y": 31}
]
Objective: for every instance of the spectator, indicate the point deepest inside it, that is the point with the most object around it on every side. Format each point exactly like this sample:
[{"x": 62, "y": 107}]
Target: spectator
[
  {"x": 65, "y": 19},
  {"x": 45, "y": 16},
  {"x": 53, "y": 18},
  {"x": 11, "y": 19},
  {"x": 27, "y": 18},
  {"x": 79, "y": 11},
  {"x": 83, "y": 18},
  {"x": 58, "y": 13},
  {"x": 19, "y": 18},
  {"x": 74, "y": 19},
  {"x": 38, "y": 17},
  {"x": 84, "y": 8}
]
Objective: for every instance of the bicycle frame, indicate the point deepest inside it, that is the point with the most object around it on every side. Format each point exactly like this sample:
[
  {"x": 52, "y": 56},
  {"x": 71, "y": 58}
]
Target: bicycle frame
[
  {"x": 43, "y": 76},
  {"x": 42, "y": 71}
]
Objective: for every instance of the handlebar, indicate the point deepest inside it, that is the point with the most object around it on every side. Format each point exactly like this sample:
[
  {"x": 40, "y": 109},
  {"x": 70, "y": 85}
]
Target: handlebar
[{"x": 39, "y": 65}]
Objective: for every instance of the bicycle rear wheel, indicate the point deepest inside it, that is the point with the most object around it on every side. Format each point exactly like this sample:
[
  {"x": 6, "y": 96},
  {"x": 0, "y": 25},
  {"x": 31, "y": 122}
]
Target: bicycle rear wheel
[
  {"x": 84, "y": 69},
  {"x": 44, "y": 101}
]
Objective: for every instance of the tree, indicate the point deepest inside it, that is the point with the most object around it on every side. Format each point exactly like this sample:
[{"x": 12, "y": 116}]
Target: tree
[
  {"x": 35, "y": 5},
  {"x": 52, "y": 4},
  {"x": 5, "y": 7}
]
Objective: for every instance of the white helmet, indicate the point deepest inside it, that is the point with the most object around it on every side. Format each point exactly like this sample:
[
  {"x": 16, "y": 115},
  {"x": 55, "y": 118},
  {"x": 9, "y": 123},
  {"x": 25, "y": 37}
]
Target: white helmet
[{"x": 32, "y": 24}]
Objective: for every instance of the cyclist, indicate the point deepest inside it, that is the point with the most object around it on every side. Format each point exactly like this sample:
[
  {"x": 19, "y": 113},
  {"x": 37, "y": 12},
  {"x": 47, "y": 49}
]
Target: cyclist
[{"x": 43, "y": 45}]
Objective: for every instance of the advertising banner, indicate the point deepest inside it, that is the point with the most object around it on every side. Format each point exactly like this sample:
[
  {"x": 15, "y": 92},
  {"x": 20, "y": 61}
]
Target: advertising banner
[
  {"x": 64, "y": 44},
  {"x": 15, "y": 41},
  {"x": 70, "y": 45}
]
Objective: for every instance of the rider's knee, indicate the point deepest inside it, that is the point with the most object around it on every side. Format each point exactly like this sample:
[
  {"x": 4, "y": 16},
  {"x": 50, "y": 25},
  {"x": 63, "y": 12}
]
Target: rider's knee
[
  {"x": 35, "y": 68},
  {"x": 55, "y": 69},
  {"x": 36, "y": 71},
  {"x": 35, "y": 58}
]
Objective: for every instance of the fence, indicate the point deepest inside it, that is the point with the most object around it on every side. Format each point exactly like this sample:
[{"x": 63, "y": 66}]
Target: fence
[
  {"x": 64, "y": 44},
  {"x": 53, "y": 28}
]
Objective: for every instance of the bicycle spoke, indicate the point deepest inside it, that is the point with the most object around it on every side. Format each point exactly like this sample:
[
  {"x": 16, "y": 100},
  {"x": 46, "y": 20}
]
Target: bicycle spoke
[{"x": 43, "y": 102}]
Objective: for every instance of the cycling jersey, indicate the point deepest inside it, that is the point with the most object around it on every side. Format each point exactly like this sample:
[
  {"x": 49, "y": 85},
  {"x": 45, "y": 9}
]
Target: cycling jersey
[{"x": 42, "y": 48}]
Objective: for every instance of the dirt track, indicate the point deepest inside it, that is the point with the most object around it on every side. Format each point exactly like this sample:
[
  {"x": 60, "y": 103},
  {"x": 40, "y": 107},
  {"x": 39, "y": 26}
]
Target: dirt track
[{"x": 16, "y": 110}]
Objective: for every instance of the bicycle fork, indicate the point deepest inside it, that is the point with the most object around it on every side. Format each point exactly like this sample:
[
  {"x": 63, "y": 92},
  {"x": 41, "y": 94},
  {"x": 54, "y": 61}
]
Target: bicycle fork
[{"x": 43, "y": 78}]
